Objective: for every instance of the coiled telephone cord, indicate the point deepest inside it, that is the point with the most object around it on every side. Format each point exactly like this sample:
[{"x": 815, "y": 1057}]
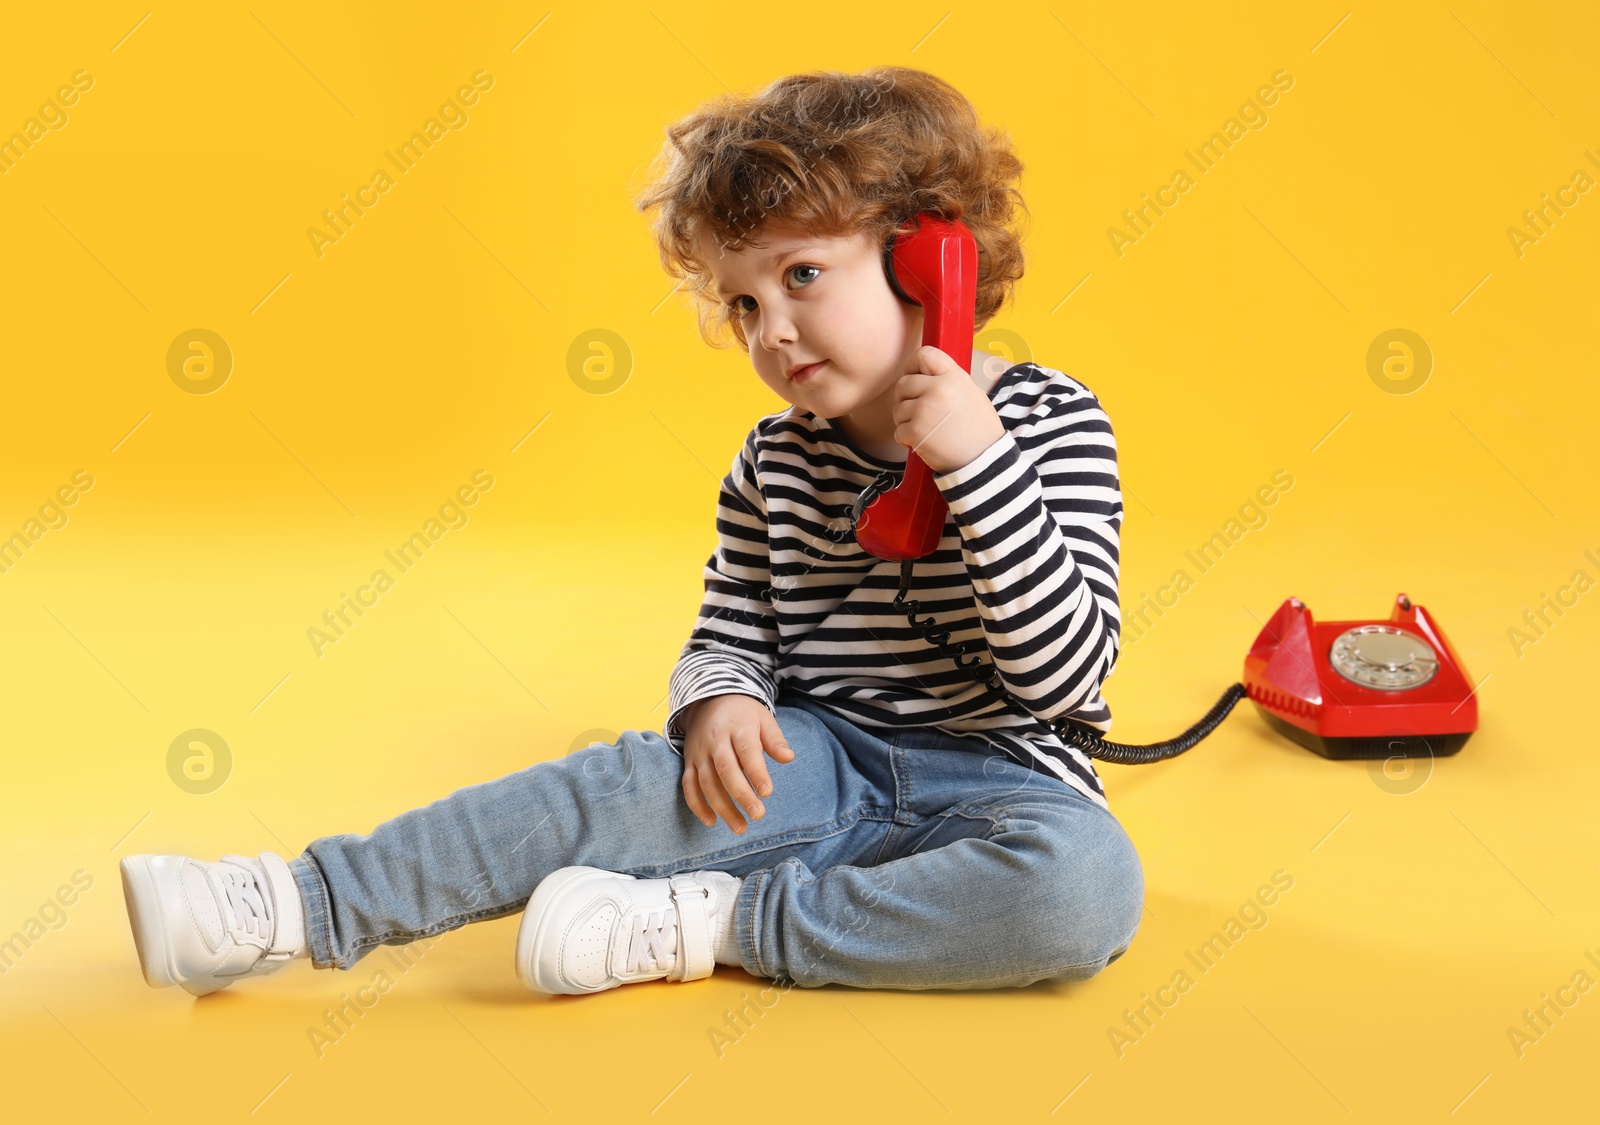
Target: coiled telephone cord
[{"x": 1073, "y": 734}]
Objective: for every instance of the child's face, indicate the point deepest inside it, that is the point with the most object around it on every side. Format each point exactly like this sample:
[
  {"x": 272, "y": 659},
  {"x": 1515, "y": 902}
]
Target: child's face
[{"x": 804, "y": 298}]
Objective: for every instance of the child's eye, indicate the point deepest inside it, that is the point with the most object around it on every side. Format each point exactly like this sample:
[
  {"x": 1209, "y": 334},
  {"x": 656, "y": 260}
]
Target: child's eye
[{"x": 740, "y": 310}]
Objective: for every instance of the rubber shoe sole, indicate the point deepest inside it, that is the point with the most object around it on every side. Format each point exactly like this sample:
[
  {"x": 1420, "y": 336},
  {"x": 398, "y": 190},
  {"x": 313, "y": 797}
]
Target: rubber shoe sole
[
  {"x": 141, "y": 891},
  {"x": 537, "y": 931}
]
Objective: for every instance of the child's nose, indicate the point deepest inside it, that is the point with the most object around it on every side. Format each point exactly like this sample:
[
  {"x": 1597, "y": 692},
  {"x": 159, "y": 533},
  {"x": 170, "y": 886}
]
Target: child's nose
[{"x": 777, "y": 330}]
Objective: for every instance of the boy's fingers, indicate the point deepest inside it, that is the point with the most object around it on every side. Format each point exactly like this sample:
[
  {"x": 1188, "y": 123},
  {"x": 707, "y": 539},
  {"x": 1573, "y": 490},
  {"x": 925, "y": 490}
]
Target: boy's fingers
[
  {"x": 772, "y": 737},
  {"x": 749, "y": 745},
  {"x": 711, "y": 786},
  {"x": 913, "y": 385},
  {"x": 694, "y": 798},
  {"x": 730, "y": 768}
]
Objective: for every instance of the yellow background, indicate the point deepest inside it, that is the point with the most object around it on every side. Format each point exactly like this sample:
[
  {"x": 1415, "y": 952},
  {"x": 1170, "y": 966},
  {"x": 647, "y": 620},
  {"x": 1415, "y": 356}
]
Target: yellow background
[{"x": 369, "y": 383}]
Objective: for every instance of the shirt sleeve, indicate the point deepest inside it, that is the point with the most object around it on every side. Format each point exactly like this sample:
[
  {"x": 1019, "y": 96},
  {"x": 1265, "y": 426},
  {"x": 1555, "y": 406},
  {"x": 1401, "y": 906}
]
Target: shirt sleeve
[
  {"x": 1040, "y": 516},
  {"x": 734, "y": 646}
]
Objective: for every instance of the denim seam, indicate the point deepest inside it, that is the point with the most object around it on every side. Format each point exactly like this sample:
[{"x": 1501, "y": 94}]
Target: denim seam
[
  {"x": 834, "y": 827},
  {"x": 320, "y": 908},
  {"x": 981, "y": 981},
  {"x": 904, "y": 788},
  {"x": 751, "y": 950},
  {"x": 453, "y": 922},
  {"x": 968, "y": 811},
  {"x": 883, "y": 846}
]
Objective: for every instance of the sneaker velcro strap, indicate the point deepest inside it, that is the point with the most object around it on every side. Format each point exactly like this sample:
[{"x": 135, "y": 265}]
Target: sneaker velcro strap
[
  {"x": 288, "y": 929},
  {"x": 694, "y": 959}
]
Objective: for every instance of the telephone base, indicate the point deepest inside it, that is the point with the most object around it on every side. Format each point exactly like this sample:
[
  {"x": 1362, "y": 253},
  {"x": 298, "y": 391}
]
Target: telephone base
[{"x": 1406, "y": 745}]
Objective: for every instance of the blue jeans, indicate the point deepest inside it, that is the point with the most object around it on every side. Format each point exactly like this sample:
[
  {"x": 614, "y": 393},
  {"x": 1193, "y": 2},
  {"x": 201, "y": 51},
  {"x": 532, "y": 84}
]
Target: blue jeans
[{"x": 901, "y": 859}]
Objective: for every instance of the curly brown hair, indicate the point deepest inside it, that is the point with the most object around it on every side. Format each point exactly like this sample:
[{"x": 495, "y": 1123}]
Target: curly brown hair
[{"x": 833, "y": 154}]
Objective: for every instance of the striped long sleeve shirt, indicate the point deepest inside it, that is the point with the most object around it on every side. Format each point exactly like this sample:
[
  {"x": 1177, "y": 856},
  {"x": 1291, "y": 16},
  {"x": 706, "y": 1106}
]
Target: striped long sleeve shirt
[{"x": 1027, "y": 564}]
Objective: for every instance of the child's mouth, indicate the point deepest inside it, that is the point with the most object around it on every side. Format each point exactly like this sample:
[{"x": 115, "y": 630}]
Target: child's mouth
[{"x": 806, "y": 372}]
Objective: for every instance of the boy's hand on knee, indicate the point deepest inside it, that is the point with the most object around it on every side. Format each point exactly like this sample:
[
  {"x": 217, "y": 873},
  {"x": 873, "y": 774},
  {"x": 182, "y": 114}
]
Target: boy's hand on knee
[{"x": 723, "y": 764}]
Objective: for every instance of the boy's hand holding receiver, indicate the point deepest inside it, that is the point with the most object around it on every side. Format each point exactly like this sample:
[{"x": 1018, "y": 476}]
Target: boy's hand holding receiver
[
  {"x": 726, "y": 736},
  {"x": 941, "y": 413}
]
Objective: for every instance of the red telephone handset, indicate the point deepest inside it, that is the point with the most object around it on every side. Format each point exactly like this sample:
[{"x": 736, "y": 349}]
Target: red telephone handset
[{"x": 935, "y": 266}]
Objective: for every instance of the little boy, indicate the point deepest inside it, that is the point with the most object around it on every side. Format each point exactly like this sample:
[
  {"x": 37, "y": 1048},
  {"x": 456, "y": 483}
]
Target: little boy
[{"x": 924, "y": 831}]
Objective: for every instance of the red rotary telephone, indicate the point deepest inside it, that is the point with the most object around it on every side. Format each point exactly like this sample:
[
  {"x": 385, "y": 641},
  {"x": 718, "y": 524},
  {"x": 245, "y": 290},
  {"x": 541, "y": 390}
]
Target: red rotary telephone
[
  {"x": 1362, "y": 689},
  {"x": 1345, "y": 689}
]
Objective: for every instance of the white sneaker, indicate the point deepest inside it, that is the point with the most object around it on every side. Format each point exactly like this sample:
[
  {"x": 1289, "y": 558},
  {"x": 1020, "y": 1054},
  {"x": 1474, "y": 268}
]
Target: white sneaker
[
  {"x": 587, "y": 930},
  {"x": 205, "y": 925}
]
